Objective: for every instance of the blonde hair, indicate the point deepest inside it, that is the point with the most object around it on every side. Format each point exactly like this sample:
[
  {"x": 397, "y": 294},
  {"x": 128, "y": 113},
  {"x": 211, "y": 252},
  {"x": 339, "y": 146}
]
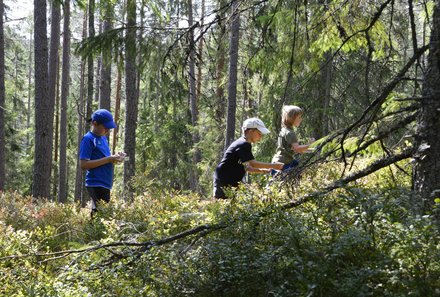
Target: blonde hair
[{"x": 289, "y": 114}]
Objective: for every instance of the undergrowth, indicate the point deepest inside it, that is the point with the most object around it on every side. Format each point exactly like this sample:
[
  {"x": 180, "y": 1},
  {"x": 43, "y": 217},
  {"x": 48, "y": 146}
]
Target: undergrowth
[{"x": 358, "y": 240}]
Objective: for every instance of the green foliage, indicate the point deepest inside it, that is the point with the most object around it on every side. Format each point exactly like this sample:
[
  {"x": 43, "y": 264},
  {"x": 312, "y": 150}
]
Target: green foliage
[{"x": 360, "y": 240}]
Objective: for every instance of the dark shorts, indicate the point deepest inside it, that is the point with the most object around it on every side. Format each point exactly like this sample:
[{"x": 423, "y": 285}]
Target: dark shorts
[
  {"x": 218, "y": 189},
  {"x": 99, "y": 193}
]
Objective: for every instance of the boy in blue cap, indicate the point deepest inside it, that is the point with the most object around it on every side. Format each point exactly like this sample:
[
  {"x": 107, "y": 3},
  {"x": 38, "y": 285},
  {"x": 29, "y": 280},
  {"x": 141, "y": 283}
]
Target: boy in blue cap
[{"x": 96, "y": 159}]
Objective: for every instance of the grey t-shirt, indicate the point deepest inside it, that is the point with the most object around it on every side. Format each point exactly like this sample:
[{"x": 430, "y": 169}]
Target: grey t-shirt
[{"x": 284, "y": 153}]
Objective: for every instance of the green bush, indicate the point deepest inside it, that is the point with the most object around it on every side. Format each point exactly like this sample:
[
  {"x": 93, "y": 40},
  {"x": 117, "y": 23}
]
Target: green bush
[{"x": 360, "y": 240}]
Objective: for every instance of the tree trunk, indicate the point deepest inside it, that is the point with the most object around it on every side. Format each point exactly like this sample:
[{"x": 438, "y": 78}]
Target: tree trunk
[
  {"x": 106, "y": 67},
  {"x": 193, "y": 98},
  {"x": 98, "y": 70},
  {"x": 30, "y": 68},
  {"x": 90, "y": 74},
  {"x": 56, "y": 132},
  {"x": 2, "y": 100},
  {"x": 62, "y": 175},
  {"x": 130, "y": 90},
  {"x": 79, "y": 179},
  {"x": 54, "y": 50},
  {"x": 43, "y": 106},
  {"x": 319, "y": 114},
  {"x": 426, "y": 172},
  {"x": 117, "y": 108},
  {"x": 232, "y": 84},
  {"x": 200, "y": 51},
  {"x": 219, "y": 109}
]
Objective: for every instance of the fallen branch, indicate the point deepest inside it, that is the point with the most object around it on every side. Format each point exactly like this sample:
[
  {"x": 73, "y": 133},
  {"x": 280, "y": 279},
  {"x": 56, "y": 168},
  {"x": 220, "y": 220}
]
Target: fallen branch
[{"x": 379, "y": 164}]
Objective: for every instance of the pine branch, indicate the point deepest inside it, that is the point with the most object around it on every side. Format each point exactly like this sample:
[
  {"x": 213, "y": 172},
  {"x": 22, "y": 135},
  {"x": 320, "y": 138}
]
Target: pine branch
[{"x": 379, "y": 164}]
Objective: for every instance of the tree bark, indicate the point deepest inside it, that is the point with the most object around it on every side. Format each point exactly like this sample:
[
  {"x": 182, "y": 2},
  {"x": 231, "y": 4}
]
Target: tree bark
[
  {"x": 219, "y": 109},
  {"x": 200, "y": 53},
  {"x": 321, "y": 121},
  {"x": 106, "y": 67},
  {"x": 90, "y": 73},
  {"x": 30, "y": 69},
  {"x": 193, "y": 98},
  {"x": 43, "y": 106},
  {"x": 2, "y": 101},
  {"x": 62, "y": 174},
  {"x": 79, "y": 179},
  {"x": 131, "y": 93},
  {"x": 98, "y": 70},
  {"x": 56, "y": 132},
  {"x": 117, "y": 108},
  {"x": 232, "y": 84},
  {"x": 426, "y": 176}
]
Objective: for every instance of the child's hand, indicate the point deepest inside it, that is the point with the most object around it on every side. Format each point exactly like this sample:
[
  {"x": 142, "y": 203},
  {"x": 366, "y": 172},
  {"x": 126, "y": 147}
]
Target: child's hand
[
  {"x": 121, "y": 156},
  {"x": 113, "y": 158}
]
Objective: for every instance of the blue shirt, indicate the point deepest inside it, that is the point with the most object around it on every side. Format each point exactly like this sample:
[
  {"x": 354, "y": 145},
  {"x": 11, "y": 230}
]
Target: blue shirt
[
  {"x": 230, "y": 171},
  {"x": 95, "y": 147}
]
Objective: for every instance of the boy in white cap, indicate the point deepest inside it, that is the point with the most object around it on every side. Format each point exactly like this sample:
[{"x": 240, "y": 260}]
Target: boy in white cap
[
  {"x": 238, "y": 158},
  {"x": 96, "y": 159}
]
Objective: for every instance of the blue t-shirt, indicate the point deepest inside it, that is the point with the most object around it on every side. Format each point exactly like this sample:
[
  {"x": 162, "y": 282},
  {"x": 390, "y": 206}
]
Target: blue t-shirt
[
  {"x": 95, "y": 147},
  {"x": 230, "y": 171}
]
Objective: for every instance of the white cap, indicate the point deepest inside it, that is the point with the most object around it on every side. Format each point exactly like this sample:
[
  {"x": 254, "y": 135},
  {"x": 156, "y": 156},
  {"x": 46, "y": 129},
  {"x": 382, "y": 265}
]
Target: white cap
[{"x": 255, "y": 123}]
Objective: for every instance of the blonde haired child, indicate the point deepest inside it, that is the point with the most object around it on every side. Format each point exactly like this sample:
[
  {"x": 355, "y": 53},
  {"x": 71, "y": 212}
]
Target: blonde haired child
[{"x": 288, "y": 143}]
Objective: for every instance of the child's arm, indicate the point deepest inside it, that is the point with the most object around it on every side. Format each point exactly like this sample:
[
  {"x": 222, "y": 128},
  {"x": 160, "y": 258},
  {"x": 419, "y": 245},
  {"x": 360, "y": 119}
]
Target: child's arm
[
  {"x": 301, "y": 148},
  {"x": 90, "y": 164},
  {"x": 254, "y": 166}
]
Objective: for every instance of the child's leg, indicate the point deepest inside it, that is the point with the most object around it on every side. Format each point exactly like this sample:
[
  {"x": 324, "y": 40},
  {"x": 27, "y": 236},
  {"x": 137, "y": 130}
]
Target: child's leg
[
  {"x": 218, "y": 190},
  {"x": 96, "y": 194}
]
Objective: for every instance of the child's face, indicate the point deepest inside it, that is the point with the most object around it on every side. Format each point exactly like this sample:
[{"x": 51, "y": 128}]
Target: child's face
[
  {"x": 297, "y": 120},
  {"x": 99, "y": 129},
  {"x": 254, "y": 135}
]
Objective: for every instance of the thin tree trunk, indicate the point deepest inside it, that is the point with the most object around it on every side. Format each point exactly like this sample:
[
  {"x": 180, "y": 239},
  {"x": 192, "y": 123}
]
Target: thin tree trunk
[
  {"x": 2, "y": 100},
  {"x": 43, "y": 106},
  {"x": 117, "y": 108},
  {"x": 193, "y": 98},
  {"x": 62, "y": 175},
  {"x": 106, "y": 67},
  {"x": 200, "y": 51},
  {"x": 131, "y": 111},
  {"x": 90, "y": 74},
  {"x": 138, "y": 57},
  {"x": 426, "y": 171},
  {"x": 28, "y": 119},
  {"x": 53, "y": 71},
  {"x": 79, "y": 179},
  {"x": 220, "y": 110},
  {"x": 98, "y": 69},
  {"x": 90, "y": 85},
  {"x": 323, "y": 91},
  {"x": 56, "y": 132},
  {"x": 233, "y": 68}
]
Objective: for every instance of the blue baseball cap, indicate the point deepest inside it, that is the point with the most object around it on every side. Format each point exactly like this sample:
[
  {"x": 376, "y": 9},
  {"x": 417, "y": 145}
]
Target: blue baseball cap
[{"x": 103, "y": 116}]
